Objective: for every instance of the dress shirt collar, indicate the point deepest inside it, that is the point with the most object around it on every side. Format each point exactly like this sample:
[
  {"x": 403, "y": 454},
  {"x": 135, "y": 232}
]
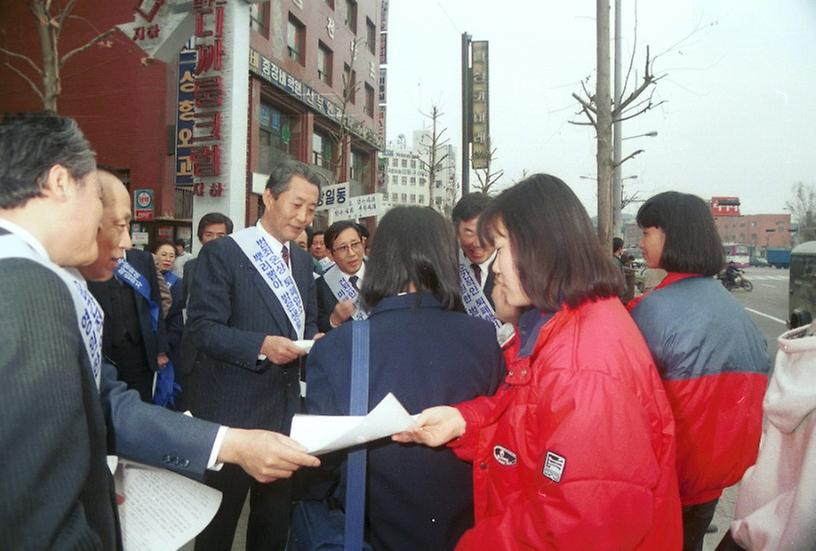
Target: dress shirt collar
[
  {"x": 26, "y": 236},
  {"x": 276, "y": 245}
]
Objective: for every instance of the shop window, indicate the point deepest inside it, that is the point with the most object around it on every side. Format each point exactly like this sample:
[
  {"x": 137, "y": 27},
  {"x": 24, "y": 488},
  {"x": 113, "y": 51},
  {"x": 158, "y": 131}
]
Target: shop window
[
  {"x": 360, "y": 161},
  {"x": 322, "y": 150},
  {"x": 275, "y": 137}
]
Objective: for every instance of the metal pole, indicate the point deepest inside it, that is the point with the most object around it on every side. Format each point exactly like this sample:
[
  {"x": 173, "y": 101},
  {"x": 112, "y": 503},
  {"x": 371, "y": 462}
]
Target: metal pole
[
  {"x": 466, "y": 128},
  {"x": 617, "y": 189}
]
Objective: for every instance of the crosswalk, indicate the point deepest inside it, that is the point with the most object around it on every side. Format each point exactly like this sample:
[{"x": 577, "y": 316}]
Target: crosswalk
[{"x": 756, "y": 277}]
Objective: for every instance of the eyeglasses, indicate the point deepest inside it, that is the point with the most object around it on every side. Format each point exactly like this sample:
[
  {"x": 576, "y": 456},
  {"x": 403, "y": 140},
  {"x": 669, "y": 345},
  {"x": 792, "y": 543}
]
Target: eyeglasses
[{"x": 357, "y": 246}]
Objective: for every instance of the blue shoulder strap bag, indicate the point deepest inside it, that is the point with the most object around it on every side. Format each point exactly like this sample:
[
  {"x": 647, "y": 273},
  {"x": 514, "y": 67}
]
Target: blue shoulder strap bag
[{"x": 315, "y": 526}]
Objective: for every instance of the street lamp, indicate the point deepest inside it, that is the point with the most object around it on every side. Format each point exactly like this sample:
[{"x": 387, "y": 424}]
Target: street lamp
[
  {"x": 632, "y": 177},
  {"x": 651, "y": 134}
]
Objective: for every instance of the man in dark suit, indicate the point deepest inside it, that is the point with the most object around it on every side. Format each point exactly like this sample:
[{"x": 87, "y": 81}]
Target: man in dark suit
[
  {"x": 212, "y": 226},
  {"x": 338, "y": 289},
  {"x": 252, "y": 297},
  {"x": 477, "y": 257},
  {"x": 129, "y": 339},
  {"x": 55, "y": 489}
]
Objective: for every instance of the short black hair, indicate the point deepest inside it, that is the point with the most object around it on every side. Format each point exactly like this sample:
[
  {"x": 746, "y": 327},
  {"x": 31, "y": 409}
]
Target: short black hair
[
  {"x": 470, "y": 206},
  {"x": 617, "y": 244},
  {"x": 180, "y": 242},
  {"x": 558, "y": 257},
  {"x": 336, "y": 229},
  {"x": 362, "y": 229},
  {"x": 413, "y": 245},
  {"x": 692, "y": 243},
  {"x": 282, "y": 175},
  {"x": 314, "y": 234},
  {"x": 309, "y": 235},
  {"x": 162, "y": 242},
  {"x": 30, "y": 145},
  {"x": 210, "y": 219}
]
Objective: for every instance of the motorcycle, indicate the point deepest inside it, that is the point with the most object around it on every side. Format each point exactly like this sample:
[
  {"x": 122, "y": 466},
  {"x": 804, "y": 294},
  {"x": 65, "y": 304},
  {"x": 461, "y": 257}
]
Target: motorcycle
[{"x": 739, "y": 281}]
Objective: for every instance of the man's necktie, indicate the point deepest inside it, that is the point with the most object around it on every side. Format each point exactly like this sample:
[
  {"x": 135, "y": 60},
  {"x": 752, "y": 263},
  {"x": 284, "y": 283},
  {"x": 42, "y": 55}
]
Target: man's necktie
[
  {"x": 353, "y": 280},
  {"x": 477, "y": 273},
  {"x": 285, "y": 255}
]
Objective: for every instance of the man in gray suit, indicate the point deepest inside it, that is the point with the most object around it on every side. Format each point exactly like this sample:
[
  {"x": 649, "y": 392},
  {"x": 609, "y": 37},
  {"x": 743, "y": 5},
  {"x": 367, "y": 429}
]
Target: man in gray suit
[
  {"x": 253, "y": 296},
  {"x": 61, "y": 405}
]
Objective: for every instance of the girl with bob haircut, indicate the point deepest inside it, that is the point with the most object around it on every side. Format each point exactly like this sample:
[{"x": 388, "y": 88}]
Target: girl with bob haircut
[
  {"x": 712, "y": 357},
  {"x": 576, "y": 450},
  {"x": 425, "y": 350}
]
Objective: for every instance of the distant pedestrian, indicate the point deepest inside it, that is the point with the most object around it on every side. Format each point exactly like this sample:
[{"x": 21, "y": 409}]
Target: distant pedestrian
[{"x": 182, "y": 256}]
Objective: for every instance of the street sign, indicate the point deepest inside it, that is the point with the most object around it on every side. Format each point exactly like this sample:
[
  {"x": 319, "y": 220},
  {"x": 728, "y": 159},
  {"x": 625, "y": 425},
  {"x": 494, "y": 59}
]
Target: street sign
[
  {"x": 333, "y": 196},
  {"x": 361, "y": 206},
  {"x": 143, "y": 205}
]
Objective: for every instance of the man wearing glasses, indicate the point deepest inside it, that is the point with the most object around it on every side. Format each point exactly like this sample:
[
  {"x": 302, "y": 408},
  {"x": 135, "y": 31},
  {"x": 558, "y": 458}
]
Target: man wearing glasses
[{"x": 338, "y": 289}]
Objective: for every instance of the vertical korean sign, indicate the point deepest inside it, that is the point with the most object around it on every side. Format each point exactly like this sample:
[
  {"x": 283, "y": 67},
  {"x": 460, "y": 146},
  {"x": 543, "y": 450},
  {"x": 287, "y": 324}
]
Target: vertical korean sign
[
  {"x": 480, "y": 118},
  {"x": 208, "y": 98},
  {"x": 185, "y": 116}
]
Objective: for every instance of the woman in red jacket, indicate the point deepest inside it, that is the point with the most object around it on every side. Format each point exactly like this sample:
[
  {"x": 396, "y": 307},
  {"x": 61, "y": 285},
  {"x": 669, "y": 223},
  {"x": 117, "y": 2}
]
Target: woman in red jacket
[
  {"x": 576, "y": 450},
  {"x": 711, "y": 355}
]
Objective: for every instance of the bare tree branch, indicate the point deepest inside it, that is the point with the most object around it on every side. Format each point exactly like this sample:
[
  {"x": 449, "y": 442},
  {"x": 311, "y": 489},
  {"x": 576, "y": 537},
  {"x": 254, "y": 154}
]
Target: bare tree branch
[
  {"x": 24, "y": 77},
  {"x": 631, "y": 58},
  {"x": 647, "y": 108},
  {"x": 65, "y": 12},
  {"x": 23, "y": 57},
  {"x": 630, "y": 156},
  {"x": 590, "y": 96},
  {"x": 94, "y": 40}
]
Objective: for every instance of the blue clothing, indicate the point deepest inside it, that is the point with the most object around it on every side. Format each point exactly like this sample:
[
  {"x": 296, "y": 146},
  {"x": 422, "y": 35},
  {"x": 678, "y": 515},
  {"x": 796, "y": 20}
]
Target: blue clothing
[{"x": 418, "y": 497}]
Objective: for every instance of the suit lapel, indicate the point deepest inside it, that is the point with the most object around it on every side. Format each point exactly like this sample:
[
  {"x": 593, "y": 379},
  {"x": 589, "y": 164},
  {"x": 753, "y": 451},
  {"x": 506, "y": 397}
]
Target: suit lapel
[{"x": 268, "y": 297}]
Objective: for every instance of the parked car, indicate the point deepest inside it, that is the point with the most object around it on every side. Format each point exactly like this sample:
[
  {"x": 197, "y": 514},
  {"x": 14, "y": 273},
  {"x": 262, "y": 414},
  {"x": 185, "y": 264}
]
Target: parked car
[{"x": 779, "y": 258}]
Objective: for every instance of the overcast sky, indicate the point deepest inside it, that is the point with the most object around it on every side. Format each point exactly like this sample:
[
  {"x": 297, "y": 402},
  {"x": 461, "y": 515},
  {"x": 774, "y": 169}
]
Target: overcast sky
[{"x": 740, "y": 90}]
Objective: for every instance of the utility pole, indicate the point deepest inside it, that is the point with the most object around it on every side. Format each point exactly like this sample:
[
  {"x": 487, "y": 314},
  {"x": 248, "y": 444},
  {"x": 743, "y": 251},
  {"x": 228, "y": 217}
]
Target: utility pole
[
  {"x": 466, "y": 99},
  {"x": 603, "y": 102},
  {"x": 617, "y": 191}
]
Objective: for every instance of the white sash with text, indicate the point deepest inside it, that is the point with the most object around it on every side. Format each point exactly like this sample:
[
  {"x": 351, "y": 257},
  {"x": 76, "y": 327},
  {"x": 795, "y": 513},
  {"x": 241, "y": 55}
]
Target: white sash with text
[
  {"x": 472, "y": 295},
  {"x": 90, "y": 317},
  {"x": 342, "y": 289},
  {"x": 275, "y": 273}
]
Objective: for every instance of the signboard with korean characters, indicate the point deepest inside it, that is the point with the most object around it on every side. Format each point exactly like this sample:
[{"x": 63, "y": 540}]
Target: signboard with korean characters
[
  {"x": 333, "y": 196},
  {"x": 143, "y": 205},
  {"x": 361, "y": 206}
]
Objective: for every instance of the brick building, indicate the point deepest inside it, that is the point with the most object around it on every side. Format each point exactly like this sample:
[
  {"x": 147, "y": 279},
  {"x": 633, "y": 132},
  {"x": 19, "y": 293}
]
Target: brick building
[
  {"x": 760, "y": 231},
  {"x": 307, "y": 93}
]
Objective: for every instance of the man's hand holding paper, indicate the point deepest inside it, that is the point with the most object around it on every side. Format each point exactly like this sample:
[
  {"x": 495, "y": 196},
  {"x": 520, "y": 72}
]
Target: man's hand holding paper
[{"x": 321, "y": 434}]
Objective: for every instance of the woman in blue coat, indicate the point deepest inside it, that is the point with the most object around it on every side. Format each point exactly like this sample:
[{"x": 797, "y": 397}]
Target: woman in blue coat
[{"x": 426, "y": 351}]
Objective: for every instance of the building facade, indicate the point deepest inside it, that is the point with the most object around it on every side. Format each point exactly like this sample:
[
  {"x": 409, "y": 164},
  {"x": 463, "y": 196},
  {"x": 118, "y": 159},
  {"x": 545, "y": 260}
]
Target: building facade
[
  {"x": 760, "y": 231},
  {"x": 445, "y": 189},
  {"x": 314, "y": 81},
  {"x": 405, "y": 178},
  {"x": 312, "y": 96}
]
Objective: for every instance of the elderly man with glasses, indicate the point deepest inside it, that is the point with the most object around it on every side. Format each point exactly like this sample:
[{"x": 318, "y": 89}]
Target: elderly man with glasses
[{"x": 338, "y": 289}]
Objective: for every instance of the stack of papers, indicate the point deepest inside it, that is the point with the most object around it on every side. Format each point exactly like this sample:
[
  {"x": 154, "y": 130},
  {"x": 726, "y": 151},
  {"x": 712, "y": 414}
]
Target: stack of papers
[{"x": 321, "y": 434}]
